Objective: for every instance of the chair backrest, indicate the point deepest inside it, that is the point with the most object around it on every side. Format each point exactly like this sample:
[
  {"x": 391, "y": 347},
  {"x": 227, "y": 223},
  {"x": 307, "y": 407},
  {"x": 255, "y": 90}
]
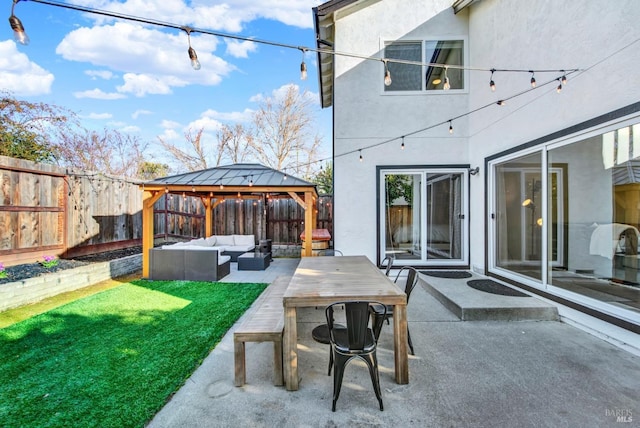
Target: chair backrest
[
  {"x": 330, "y": 252},
  {"x": 412, "y": 279},
  {"x": 357, "y": 316},
  {"x": 388, "y": 264}
]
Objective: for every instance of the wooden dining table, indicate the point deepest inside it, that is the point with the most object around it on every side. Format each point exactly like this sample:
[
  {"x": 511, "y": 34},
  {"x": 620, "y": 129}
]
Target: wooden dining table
[{"x": 320, "y": 281}]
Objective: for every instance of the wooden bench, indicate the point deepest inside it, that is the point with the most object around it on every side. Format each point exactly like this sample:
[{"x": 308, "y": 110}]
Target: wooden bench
[{"x": 265, "y": 323}]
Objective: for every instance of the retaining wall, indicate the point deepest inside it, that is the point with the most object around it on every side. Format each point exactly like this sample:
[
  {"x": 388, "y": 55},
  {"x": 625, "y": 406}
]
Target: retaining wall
[{"x": 20, "y": 293}]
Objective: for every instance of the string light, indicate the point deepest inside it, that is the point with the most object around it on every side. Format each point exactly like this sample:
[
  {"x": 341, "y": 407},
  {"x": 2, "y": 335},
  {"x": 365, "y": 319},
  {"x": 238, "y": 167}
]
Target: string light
[
  {"x": 16, "y": 25},
  {"x": 533, "y": 79},
  {"x": 251, "y": 181},
  {"x": 191, "y": 51},
  {"x": 501, "y": 102},
  {"x": 387, "y": 73},
  {"x": 19, "y": 34},
  {"x": 559, "y": 88},
  {"x": 18, "y": 28},
  {"x": 446, "y": 86},
  {"x": 303, "y": 66},
  {"x": 402, "y": 145},
  {"x": 450, "y": 128}
]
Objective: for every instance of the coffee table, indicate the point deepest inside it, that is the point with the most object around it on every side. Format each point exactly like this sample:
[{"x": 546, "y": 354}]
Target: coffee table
[{"x": 254, "y": 261}]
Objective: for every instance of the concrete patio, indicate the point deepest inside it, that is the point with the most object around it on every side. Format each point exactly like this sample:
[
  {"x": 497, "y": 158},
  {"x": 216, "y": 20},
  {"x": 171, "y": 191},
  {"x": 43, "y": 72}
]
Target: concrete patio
[{"x": 464, "y": 373}]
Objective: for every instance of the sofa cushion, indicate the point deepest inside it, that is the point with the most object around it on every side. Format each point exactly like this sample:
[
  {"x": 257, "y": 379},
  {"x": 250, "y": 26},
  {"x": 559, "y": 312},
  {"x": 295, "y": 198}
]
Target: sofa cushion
[
  {"x": 211, "y": 241},
  {"x": 224, "y": 240},
  {"x": 200, "y": 242},
  {"x": 223, "y": 259},
  {"x": 244, "y": 240}
]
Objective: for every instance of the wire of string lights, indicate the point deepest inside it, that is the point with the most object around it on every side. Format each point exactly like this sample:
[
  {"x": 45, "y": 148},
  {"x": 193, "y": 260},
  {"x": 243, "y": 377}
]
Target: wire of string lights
[{"x": 21, "y": 37}]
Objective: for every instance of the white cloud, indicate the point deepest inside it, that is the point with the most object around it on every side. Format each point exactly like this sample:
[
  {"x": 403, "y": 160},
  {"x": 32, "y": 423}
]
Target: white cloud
[
  {"x": 98, "y": 94},
  {"x": 235, "y": 116},
  {"x": 279, "y": 94},
  {"x": 169, "y": 124},
  {"x": 99, "y": 116},
  {"x": 138, "y": 113},
  {"x": 130, "y": 128},
  {"x": 240, "y": 49},
  {"x": 102, "y": 74},
  {"x": 207, "y": 123},
  {"x": 153, "y": 61},
  {"x": 142, "y": 84},
  {"x": 170, "y": 135},
  {"x": 213, "y": 14},
  {"x": 19, "y": 75}
]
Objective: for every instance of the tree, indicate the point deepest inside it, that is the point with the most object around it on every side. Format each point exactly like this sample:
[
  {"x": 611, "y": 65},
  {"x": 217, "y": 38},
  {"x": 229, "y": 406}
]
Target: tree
[
  {"x": 324, "y": 179},
  {"x": 281, "y": 132},
  {"x": 110, "y": 152},
  {"x": 27, "y": 129},
  {"x": 235, "y": 142},
  {"x": 192, "y": 160},
  {"x": 152, "y": 170}
]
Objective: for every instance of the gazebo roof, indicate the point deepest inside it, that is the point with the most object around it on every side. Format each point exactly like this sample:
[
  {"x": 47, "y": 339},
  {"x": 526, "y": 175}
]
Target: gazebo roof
[{"x": 236, "y": 175}]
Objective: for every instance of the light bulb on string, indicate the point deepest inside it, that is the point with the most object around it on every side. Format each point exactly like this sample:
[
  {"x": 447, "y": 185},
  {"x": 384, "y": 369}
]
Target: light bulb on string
[
  {"x": 360, "y": 151},
  {"x": 559, "y": 88},
  {"x": 387, "y": 73},
  {"x": 501, "y": 102},
  {"x": 402, "y": 145},
  {"x": 446, "y": 86},
  {"x": 19, "y": 35},
  {"x": 192, "y": 52},
  {"x": 492, "y": 84},
  {"x": 303, "y": 66},
  {"x": 450, "y": 128},
  {"x": 563, "y": 79},
  {"x": 533, "y": 79}
]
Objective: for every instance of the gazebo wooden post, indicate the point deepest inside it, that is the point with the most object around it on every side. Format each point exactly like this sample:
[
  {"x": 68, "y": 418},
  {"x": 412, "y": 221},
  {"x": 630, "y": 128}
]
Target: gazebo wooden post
[
  {"x": 149, "y": 198},
  {"x": 308, "y": 223},
  {"x": 208, "y": 216}
]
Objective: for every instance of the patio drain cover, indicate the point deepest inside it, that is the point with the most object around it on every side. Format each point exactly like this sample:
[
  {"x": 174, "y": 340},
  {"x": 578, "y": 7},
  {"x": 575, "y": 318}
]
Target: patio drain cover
[
  {"x": 494, "y": 287},
  {"x": 452, "y": 274}
]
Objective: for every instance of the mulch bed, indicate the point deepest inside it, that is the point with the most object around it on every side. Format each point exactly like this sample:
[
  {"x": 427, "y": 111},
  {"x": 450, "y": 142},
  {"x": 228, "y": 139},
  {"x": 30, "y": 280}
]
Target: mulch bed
[{"x": 31, "y": 270}]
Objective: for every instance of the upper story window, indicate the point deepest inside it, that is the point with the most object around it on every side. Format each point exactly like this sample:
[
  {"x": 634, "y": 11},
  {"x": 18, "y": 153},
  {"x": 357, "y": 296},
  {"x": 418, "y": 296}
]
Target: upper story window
[{"x": 410, "y": 77}]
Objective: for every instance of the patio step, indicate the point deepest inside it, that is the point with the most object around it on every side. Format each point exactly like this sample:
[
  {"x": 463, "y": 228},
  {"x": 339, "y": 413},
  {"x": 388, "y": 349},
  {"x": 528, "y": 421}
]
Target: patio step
[{"x": 470, "y": 304}]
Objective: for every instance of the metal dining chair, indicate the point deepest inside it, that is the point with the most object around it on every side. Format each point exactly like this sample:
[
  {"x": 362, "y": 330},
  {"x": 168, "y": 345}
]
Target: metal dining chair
[
  {"x": 330, "y": 252},
  {"x": 355, "y": 340},
  {"x": 321, "y": 333},
  {"x": 387, "y": 265},
  {"x": 377, "y": 312}
]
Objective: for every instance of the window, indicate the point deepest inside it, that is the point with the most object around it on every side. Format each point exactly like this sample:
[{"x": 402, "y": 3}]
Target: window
[
  {"x": 566, "y": 216},
  {"x": 423, "y": 214},
  {"x": 411, "y": 77}
]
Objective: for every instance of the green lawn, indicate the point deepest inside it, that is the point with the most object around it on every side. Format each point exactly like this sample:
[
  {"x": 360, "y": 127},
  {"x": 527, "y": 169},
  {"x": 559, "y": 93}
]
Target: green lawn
[{"x": 113, "y": 359}]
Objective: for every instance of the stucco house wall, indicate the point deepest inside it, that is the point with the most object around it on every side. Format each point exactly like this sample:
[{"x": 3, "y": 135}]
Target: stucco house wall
[{"x": 365, "y": 115}]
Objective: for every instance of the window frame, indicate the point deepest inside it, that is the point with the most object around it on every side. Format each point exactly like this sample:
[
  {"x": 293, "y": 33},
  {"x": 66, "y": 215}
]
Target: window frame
[{"x": 384, "y": 42}]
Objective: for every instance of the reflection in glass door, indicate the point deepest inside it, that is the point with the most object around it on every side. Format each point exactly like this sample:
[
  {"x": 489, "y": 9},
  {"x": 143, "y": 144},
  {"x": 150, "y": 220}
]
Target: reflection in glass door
[{"x": 423, "y": 216}]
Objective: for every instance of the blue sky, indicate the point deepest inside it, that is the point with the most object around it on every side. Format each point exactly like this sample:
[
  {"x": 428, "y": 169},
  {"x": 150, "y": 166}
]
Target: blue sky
[{"x": 138, "y": 79}]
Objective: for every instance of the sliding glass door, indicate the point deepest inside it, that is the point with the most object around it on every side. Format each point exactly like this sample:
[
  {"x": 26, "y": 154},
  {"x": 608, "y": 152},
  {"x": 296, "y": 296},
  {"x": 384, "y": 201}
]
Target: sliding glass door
[{"x": 423, "y": 216}]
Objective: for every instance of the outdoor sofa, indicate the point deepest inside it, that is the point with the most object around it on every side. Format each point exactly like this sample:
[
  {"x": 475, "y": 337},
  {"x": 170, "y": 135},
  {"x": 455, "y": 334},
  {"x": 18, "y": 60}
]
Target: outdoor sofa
[
  {"x": 228, "y": 245},
  {"x": 189, "y": 264}
]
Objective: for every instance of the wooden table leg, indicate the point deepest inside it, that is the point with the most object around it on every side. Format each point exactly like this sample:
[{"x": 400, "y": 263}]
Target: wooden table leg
[
  {"x": 400, "y": 340},
  {"x": 290, "y": 349}
]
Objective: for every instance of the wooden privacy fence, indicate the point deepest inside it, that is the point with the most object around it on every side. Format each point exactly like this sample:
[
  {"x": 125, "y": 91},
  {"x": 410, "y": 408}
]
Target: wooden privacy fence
[
  {"x": 47, "y": 210},
  {"x": 279, "y": 218}
]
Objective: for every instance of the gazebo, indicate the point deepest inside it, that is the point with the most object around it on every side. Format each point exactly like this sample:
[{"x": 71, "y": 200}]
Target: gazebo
[{"x": 214, "y": 185}]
